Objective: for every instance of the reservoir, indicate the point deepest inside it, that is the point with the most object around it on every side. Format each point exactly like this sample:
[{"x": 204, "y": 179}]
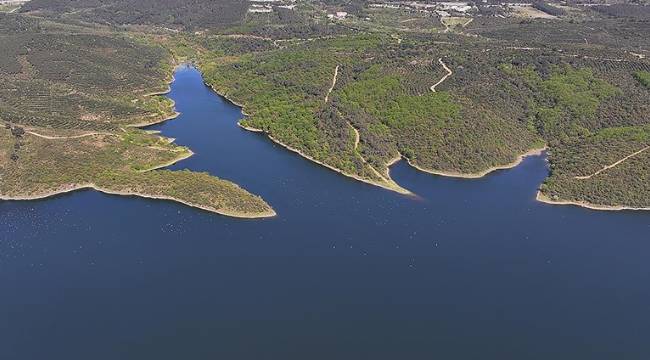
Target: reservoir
[{"x": 468, "y": 269}]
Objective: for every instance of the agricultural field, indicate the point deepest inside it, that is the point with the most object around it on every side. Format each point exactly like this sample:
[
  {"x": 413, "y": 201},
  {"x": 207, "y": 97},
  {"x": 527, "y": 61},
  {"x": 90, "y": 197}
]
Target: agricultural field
[{"x": 175, "y": 14}]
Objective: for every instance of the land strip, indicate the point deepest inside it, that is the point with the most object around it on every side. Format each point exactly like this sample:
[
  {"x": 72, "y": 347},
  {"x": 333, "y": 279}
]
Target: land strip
[
  {"x": 70, "y": 188},
  {"x": 514, "y": 163},
  {"x": 545, "y": 199}
]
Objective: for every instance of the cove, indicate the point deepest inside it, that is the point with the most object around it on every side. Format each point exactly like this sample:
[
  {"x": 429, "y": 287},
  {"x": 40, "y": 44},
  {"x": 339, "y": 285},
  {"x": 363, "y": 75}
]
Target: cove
[{"x": 471, "y": 269}]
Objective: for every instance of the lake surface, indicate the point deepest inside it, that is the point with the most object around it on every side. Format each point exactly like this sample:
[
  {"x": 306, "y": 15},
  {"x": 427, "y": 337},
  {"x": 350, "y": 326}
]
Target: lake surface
[{"x": 471, "y": 269}]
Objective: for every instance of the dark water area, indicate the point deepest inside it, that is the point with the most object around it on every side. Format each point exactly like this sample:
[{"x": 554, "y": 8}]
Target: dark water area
[{"x": 471, "y": 269}]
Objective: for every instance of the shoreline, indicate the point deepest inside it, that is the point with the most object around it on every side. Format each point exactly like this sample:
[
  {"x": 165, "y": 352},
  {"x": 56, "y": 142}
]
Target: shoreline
[
  {"x": 172, "y": 116},
  {"x": 71, "y": 188},
  {"x": 583, "y": 204},
  {"x": 452, "y": 174},
  {"x": 171, "y": 162},
  {"x": 395, "y": 188},
  {"x": 155, "y": 122},
  {"x": 162, "y": 92},
  {"x": 169, "y": 81},
  {"x": 392, "y": 162},
  {"x": 225, "y": 96}
]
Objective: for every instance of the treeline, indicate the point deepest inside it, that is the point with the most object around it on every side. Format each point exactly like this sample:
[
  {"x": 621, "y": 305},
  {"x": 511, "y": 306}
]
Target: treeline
[{"x": 548, "y": 8}]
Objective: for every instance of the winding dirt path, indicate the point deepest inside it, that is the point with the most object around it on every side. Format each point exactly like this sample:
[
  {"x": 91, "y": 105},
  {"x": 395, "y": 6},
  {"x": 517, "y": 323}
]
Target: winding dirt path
[
  {"x": 357, "y": 137},
  {"x": 449, "y": 72},
  {"x": 336, "y": 74},
  {"x": 613, "y": 165},
  {"x": 68, "y": 137}
]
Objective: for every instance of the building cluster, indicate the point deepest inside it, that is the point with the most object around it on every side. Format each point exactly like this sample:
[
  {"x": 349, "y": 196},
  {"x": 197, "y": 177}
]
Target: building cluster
[
  {"x": 446, "y": 8},
  {"x": 268, "y": 6},
  {"x": 339, "y": 15}
]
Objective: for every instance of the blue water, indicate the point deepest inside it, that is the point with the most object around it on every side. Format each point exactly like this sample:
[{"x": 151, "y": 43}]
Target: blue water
[{"x": 471, "y": 269}]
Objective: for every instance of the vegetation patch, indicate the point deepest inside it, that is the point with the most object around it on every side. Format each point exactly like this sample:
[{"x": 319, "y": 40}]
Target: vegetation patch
[
  {"x": 564, "y": 103},
  {"x": 643, "y": 77}
]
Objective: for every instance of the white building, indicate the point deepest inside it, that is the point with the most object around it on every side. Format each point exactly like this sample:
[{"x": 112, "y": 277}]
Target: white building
[{"x": 338, "y": 16}]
